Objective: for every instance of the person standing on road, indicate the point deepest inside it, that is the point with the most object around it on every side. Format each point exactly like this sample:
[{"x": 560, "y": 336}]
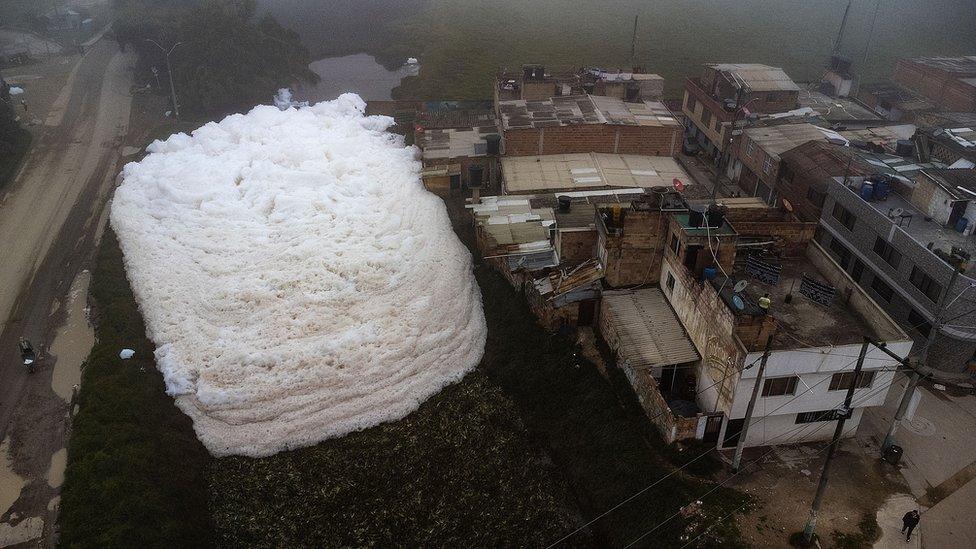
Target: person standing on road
[{"x": 909, "y": 522}]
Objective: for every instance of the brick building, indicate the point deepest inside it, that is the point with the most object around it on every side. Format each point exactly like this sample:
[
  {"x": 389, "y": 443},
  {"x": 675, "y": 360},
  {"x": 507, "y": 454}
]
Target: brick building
[
  {"x": 805, "y": 171},
  {"x": 948, "y": 82},
  {"x": 756, "y": 155},
  {"x": 711, "y": 102},
  {"x": 587, "y": 123}
]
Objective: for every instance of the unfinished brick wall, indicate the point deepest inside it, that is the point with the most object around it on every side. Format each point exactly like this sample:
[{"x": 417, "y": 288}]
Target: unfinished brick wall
[
  {"x": 576, "y": 246},
  {"x": 599, "y": 138},
  {"x": 790, "y": 237},
  {"x": 634, "y": 257},
  {"x": 671, "y": 427},
  {"x": 938, "y": 85},
  {"x": 754, "y": 331}
]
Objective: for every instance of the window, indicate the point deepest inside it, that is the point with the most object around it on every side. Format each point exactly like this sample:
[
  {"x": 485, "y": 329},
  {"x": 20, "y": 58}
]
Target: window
[
  {"x": 675, "y": 245},
  {"x": 751, "y": 148},
  {"x": 718, "y": 125},
  {"x": 670, "y": 282},
  {"x": 779, "y": 386},
  {"x": 926, "y": 284},
  {"x": 770, "y": 97},
  {"x": 842, "y": 380},
  {"x": 843, "y": 254},
  {"x": 816, "y": 197},
  {"x": 887, "y": 252},
  {"x": 919, "y": 323},
  {"x": 843, "y": 215},
  {"x": 822, "y": 415},
  {"x": 857, "y": 270},
  {"x": 883, "y": 290},
  {"x": 768, "y": 165},
  {"x": 706, "y": 117},
  {"x": 692, "y": 104}
]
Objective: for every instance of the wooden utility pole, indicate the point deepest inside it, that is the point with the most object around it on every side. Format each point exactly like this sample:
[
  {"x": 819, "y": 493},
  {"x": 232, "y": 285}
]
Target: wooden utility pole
[
  {"x": 923, "y": 357},
  {"x": 844, "y": 413},
  {"x": 737, "y": 458}
]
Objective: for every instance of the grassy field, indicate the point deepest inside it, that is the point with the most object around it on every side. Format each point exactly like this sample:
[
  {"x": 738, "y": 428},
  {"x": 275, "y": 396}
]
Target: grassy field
[{"x": 136, "y": 473}]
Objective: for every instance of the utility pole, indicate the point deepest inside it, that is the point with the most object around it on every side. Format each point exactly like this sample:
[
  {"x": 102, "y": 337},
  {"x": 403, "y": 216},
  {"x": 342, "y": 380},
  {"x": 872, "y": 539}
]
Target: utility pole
[
  {"x": 633, "y": 47},
  {"x": 737, "y": 458},
  {"x": 844, "y": 413},
  {"x": 923, "y": 358},
  {"x": 169, "y": 69}
]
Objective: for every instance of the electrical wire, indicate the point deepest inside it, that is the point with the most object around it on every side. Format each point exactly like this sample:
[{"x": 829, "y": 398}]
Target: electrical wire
[{"x": 741, "y": 469}]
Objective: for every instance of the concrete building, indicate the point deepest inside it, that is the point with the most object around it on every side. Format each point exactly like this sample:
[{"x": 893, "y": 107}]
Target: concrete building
[
  {"x": 894, "y": 102},
  {"x": 818, "y": 335},
  {"x": 951, "y": 144},
  {"x": 899, "y": 253},
  {"x": 450, "y": 142},
  {"x": 948, "y": 82},
  {"x": 585, "y": 124},
  {"x": 710, "y": 103},
  {"x": 840, "y": 113}
]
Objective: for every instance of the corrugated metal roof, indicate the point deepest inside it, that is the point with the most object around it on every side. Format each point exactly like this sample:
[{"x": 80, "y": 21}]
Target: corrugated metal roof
[
  {"x": 558, "y": 172},
  {"x": 775, "y": 140},
  {"x": 648, "y": 330},
  {"x": 757, "y": 77}
]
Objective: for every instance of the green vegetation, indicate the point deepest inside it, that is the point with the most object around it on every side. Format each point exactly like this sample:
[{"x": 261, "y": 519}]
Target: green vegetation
[
  {"x": 868, "y": 532},
  {"x": 228, "y": 59},
  {"x": 457, "y": 473},
  {"x": 14, "y": 139},
  {"x": 136, "y": 473}
]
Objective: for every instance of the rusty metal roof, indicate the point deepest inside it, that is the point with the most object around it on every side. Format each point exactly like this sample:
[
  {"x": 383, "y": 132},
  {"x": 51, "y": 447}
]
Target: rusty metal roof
[{"x": 649, "y": 332}]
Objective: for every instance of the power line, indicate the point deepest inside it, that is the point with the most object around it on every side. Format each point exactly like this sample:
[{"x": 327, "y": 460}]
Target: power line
[
  {"x": 658, "y": 481},
  {"x": 716, "y": 487}
]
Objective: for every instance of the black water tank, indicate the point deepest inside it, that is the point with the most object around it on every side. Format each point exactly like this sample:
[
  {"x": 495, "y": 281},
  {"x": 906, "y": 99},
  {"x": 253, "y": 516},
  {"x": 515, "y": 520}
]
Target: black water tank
[
  {"x": 493, "y": 141},
  {"x": 565, "y": 203},
  {"x": 716, "y": 215},
  {"x": 696, "y": 218},
  {"x": 892, "y": 454},
  {"x": 905, "y": 148},
  {"x": 474, "y": 175}
]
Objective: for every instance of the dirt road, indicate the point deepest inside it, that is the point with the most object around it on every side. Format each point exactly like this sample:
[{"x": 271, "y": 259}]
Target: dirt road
[{"x": 49, "y": 217}]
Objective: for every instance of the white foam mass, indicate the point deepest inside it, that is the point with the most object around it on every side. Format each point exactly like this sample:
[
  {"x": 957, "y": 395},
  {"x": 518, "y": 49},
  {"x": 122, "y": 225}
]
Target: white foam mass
[{"x": 298, "y": 281}]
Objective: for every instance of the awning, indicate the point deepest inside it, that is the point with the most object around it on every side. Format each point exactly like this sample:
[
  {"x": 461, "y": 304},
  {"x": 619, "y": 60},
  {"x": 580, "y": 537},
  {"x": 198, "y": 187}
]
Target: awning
[{"x": 648, "y": 333}]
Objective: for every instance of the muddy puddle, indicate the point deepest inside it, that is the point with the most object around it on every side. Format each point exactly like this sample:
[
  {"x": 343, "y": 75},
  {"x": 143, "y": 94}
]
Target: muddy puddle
[
  {"x": 73, "y": 341},
  {"x": 10, "y": 482}
]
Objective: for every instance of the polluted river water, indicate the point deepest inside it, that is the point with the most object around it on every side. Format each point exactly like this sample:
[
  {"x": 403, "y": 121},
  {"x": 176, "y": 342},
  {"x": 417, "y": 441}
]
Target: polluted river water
[{"x": 73, "y": 341}]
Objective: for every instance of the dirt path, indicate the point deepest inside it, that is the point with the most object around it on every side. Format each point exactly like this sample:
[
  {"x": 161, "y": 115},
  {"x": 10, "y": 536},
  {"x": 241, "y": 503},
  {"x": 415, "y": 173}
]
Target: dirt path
[{"x": 48, "y": 221}]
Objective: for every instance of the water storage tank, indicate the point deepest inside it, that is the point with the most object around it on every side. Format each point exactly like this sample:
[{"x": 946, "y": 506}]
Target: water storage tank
[
  {"x": 696, "y": 218},
  {"x": 710, "y": 272},
  {"x": 882, "y": 187},
  {"x": 867, "y": 190},
  {"x": 962, "y": 224},
  {"x": 493, "y": 142},
  {"x": 474, "y": 175},
  {"x": 565, "y": 203},
  {"x": 715, "y": 215},
  {"x": 905, "y": 148}
]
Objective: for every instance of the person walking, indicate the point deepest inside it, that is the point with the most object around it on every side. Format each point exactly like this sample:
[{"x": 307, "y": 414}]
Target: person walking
[{"x": 909, "y": 522}]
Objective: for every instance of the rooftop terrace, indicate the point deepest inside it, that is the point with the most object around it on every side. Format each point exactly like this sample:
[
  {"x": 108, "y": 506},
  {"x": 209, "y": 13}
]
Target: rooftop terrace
[
  {"x": 837, "y": 110},
  {"x": 802, "y": 322},
  {"x": 582, "y": 109}
]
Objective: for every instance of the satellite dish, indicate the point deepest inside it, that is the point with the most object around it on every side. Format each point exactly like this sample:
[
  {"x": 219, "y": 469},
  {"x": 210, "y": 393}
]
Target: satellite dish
[
  {"x": 740, "y": 285},
  {"x": 737, "y": 301},
  {"x": 787, "y": 205},
  {"x": 678, "y": 184}
]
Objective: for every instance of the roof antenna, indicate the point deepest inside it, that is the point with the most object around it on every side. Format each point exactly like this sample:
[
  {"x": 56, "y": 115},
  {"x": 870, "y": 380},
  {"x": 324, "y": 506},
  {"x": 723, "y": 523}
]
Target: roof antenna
[
  {"x": 840, "y": 33},
  {"x": 633, "y": 46}
]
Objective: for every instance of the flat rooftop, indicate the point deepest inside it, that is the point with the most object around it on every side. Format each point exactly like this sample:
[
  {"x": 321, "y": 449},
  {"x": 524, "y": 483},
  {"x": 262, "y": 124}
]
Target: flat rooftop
[
  {"x": 757, "y": 77},
  {"x": 776, "y": 140},
  {"x": 837, "y": 109},
  {"x": 902, "y": 166},
  {"x": 913, "y": 222},
  {"x": 582, "y": 211},
  {"x": 883, "y": 135},
  {"x": 582, "y": 109},
  {"x": 802, "y": 322},
  {"x": 588, "y": 171},
  {"x": 455, "y": 142}
]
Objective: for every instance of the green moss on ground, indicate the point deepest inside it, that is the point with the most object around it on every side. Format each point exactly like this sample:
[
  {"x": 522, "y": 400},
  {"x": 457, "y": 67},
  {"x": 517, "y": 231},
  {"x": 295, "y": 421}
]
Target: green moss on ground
[{"x": 136, "y": 474}]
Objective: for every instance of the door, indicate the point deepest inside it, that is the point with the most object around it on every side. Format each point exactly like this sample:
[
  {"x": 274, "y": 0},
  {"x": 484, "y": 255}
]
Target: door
[
  {"x": 712, "y": 427},
  {"x": 732, "y": 431},
  {"x": 587, "y": 311}
]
